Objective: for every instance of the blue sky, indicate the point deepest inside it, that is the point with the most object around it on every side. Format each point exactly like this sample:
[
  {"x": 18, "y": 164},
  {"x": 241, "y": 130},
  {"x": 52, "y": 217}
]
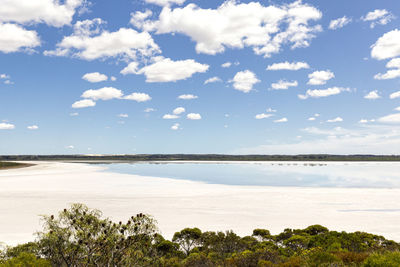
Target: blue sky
[{"x": 176, "y": 76}]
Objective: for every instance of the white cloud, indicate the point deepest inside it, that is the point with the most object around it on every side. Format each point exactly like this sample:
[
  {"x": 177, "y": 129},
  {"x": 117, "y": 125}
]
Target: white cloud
[
  {"x": 147, "y": 110},
  {"x": 14, "y": 38},
  {"x": 244, "y": 81},
  {"x": 339, "y": 23},
  {"x": 320, "y": 77},
  {"x": 170, "y": 117},
  {"x": 178, "y": 110},
  {"x": 138, "y": 18},
  {"x": 226, "y": 64},
  {"x": 237, "y": 25},
  {"x": 167, "y": 70},
  {"x": 378, "y": 16},
  {"x": 6, "y": 126},
  {"x": 311, "y": 119},
  {"x": 390, "y": 74},
  {"x": 88, "y": 42},
  {"x": 288, "y": 66},
  {"x": 317, "y": 93},
  {"x": 363, "y": 121},
  {"x": 213, "y": 80},
  {"x": 138, "y": 97},
  {"x": 387, "y": 46},
  {"x": 165, "y": 2},
  {"x": 73, "y": 114},
  {"x": 132, "y": 68},
  {"x": 175, "y": 126},
  {"x": 395, "y": 95},
  {"x": 95, "y": 77},
  {"x": 38, "y": 11},
  {"x": 188, "y": 97},
  {"x": 112, "y": 78},
  {"x": 283, "y": 85},
  {"x": 367, "y": 139},
  {"x": 281, "y": 120},
  {"x": 105, "y": 93},
  {"x": 33, "y": 127},
  {"x": 397, "y": 109},
  {"x": 262, "y": 116},
  {"x": 123, "y": 115},
  {"x": 392, "y": 118},
  {"x": 4, "y": 76},
  {"x": 193, "y": 116},
  {"x": 271, "y": 110},
  {"x": 84, "y": 103},
  {"x": 372, "y": 95},
  {"x": 337, "y": 119},
  {"x": 70, "y": 147}
]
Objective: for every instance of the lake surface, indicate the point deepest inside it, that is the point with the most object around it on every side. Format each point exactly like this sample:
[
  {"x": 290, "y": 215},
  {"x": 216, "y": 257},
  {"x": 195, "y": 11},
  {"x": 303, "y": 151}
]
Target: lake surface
[{"x": 295, "y": 174}]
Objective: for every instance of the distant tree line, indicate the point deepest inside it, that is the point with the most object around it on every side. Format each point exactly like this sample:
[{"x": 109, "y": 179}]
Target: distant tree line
[
  {"x": 202, "y": 157},
  {"x": 80, "y": 236}
]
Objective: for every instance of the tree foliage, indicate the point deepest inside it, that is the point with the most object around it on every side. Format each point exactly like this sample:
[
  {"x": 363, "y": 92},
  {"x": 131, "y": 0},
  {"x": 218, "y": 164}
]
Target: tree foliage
[{"x": 80, "y": 236}]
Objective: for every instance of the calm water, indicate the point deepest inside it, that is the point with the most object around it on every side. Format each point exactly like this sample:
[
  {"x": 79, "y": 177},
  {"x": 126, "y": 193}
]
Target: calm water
[{"x": 300, "y": 174}]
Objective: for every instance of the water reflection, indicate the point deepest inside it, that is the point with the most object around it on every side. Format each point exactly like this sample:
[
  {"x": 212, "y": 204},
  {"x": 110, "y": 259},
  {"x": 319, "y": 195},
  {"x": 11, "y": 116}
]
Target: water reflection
[{"x": 299, "y": 174}]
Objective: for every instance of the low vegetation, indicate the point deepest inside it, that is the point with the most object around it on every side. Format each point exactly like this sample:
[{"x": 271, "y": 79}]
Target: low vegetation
[
  {"x": 80, "y": 236},
  {"x": 10, "y": 165}
]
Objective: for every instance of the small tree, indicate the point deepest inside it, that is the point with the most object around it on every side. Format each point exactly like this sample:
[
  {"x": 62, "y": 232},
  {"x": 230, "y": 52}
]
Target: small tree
[
  {"x": 188, "y": 238},
  {"x": 80, "y": 237}
]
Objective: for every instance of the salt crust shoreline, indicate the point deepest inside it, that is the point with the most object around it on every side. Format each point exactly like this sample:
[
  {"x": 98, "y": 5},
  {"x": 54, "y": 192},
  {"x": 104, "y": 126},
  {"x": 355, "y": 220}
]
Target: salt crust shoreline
[{"x": 48, "y": 187}]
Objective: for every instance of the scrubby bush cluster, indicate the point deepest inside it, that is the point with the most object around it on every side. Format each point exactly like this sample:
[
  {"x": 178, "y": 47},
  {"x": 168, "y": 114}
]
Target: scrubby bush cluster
[{"x": 80, "y": 236}]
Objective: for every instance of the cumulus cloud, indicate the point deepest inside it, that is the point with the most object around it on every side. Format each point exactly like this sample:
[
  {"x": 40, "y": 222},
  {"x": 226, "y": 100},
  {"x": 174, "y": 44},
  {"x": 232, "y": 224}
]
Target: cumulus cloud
[
  {"x": 237, "y": 25},
  {"x": 337, "y": 119},
  {"x": 188, "y": 97},
  {"x": 320, "y": 77},
  {"x": 89, "y": 42},
  {"x": 394, "y": 72},
  {"x": 372, "y": 95},
  {"x": 363, "y": 121},
  {"x": 387, "y": 46},
  {"x": 317, "y": 93},
  {"x": 147, "y": 110},
  {"x": 138, "y": 97},
  {"x": 339, "y": 23},
  {"x": 33, "y": 127},
  {"x": 95, "y": 77},
  {"x": 165, "y": 2},
  {"x": 395, "y": 95},
  {"x": 167, "y": 70},
  {"x": 105, "y": 93},
  {"x": 123, "y": 115},
  {"x": 213, "y": 80},
  {"x": 262, "y": 116},
  {"x": 226, "y": 64},
  {"x": 283, "y": 85},
  {"x": 170, "y": 117},
  {"x": 311, "y": 119},
  {"x": 378, "y": 17},
  {"x": 14, "y": 38},
  {"x": 288, "y": 66},
  {"x": 392, "y": 118},
  {"x": 112, "y": 78},
  {"x": 175, "y": 126},
  {"x": 138, "y": 18},
  {"x": 281, "y": 120},
  {"x": 193, "y": 116},
  {"x": 397, "y": 109},
  {"x": 84, "y": 103},
  {"x": 44, "y": 11},
  {"x": 244, "y": 81},
  {"x": 178, "y": 110},
  {"x": 6, "y": 126}
]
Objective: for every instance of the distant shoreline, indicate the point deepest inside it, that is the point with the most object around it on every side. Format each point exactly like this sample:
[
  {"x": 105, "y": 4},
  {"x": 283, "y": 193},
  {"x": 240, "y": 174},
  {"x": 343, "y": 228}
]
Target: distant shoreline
[{"x": 199, "y": 157}]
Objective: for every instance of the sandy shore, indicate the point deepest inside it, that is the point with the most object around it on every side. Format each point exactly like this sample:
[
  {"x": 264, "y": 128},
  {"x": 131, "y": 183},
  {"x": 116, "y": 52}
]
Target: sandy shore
[{"x": 48, "y": 187}]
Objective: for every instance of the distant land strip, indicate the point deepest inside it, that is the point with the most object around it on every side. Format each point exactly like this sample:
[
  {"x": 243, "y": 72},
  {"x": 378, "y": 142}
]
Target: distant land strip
[
  {"x": 13, "y": 165},
  {"x": 200, "y": 157}
]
